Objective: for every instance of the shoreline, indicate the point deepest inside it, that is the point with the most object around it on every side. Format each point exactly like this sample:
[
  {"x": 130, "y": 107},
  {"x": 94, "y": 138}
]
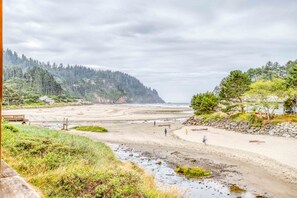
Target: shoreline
[
  {"x": 57, "y": 105},
  {"x": 232, "y": 166}
]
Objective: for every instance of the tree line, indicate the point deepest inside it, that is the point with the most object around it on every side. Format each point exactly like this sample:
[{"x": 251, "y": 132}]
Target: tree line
[{"x": 29, "y": 77}]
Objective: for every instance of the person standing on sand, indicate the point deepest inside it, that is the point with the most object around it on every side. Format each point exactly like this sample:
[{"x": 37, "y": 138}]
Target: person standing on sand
[
  {"x": 154, "y": 123},
  {"x": 165, "y": 131},
  {"x": 186, "y": 131},
  {"x": 204, "y": 140}
]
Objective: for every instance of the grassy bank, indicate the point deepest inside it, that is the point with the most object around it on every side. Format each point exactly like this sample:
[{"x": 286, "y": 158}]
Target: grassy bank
[
  {"x": 42, "y": 105},
  {"x": 97, "y": 129},
  {"x": 64, "y": 165}
]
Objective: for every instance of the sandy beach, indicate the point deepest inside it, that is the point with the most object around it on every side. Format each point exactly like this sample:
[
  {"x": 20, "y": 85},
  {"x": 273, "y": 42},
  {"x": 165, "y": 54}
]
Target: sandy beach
[
  {"x": 278, "y": 149},
  {"x": 266, "y": 166}
]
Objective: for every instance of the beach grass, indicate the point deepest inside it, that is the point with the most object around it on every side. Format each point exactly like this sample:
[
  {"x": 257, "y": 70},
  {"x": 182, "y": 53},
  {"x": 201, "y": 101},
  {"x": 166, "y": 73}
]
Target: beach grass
[
  {"x": 97, "y": 129},
  {"x": 40, "y": 105},
  {"x": 192, "y": 172},
  {"x": 213, "y": 117},
  {"x": 58, "y": 164},
  {"x": 284, "y": 118}
]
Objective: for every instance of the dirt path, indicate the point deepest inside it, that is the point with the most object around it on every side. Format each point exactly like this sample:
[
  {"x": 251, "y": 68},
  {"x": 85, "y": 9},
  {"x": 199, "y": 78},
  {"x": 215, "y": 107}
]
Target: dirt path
[{"x": 130, "y": 125}]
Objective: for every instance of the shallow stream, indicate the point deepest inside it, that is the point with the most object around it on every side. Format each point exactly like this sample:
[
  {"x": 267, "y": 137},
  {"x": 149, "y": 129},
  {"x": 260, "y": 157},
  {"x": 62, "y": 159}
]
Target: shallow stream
[{"x": 166, "y": 178}]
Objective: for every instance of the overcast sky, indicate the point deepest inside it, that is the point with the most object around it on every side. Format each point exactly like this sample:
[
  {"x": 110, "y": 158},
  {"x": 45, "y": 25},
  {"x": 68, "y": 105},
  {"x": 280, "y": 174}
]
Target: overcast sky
[{"x": 177, "y": 47}]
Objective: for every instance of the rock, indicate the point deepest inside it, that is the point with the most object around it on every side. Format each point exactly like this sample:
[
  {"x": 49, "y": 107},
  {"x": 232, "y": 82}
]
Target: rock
[{"x": 282, "y": 129}]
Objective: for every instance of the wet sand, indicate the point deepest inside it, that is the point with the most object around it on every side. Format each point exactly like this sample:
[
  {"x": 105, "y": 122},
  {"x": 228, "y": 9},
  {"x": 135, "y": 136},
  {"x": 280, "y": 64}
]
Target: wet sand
[{"x": 255, "y": 170}]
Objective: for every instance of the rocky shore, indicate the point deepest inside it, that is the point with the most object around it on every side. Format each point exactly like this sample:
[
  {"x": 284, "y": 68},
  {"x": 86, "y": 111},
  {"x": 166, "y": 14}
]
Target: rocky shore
[{"x": 285, "y": 129}]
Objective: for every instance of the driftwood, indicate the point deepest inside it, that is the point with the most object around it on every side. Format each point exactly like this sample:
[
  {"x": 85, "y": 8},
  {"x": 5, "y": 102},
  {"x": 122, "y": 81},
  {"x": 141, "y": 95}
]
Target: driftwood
[
  {"x": 163, "y": 125},
  {"x": 202, "y": 129},
  {"x": 256, "y": 141}
]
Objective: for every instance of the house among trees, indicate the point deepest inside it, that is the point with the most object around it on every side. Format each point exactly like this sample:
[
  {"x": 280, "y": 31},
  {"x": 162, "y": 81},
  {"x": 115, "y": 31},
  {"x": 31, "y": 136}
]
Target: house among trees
[{"x": 46, "y": 100}]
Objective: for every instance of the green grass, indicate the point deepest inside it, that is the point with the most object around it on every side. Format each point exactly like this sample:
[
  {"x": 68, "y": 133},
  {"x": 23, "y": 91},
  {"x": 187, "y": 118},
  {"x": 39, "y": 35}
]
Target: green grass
[
  {"x": 253, "y": 119},
  {"x": 63, "y": 165},
  {"x": 192, "y": 172},
  {"x": 41, "y": 105},
  {"x": 213, "y": 117},
  {"x": 97, "y": 129}
]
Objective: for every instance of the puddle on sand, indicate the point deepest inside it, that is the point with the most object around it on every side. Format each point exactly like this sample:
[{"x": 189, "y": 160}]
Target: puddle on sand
[{"x": 166, "y": 178}]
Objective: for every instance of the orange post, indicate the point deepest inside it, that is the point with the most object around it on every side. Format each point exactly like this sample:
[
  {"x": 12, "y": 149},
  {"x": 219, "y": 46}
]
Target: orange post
[{"x": 1, "y": 79}]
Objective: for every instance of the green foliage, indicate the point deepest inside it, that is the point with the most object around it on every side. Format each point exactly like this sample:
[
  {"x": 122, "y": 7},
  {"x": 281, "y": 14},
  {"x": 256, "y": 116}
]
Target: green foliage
[
  {"x": 35, "y": 79},
  {"x": 42, "y": 81},
  {"x": 63, "y": 165},
  {"x": 90, "y": 128},
  {"x": 267, "y": 72},
  {"x": 204, "y": 103},
  {"x": 192, "y": 172},
  {"x": 11, "y": 97},
  {"x": 267, "y": 94},
  {"x": 254, "y": 120},
  {"x": 291, "y": 79},
  {"x": 213, "y": 117},
  {"x": 291, "y": 82},
  {"x": 229, "y": 108},
  {"x": 234, "y": 86},
  {"x": 10, "y": 127},
  {"x": 251, "y": 118},
  {"x": 289, "y": 104},
  {"x": 26, "y": 89},
  {"x": 76, "y": 81}
]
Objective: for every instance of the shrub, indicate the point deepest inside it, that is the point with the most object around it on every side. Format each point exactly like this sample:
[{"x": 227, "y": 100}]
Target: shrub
[
  {"x": 10, "y": 127},
  {"x": 204, "y": 103},
  {"x": 230, "y": 108},
  {"x": 251, "y": 118},
  {"x": 254, "y": 120}
]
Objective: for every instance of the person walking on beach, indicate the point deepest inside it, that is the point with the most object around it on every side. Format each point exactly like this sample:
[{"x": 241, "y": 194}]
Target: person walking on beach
[
  {"x": 204, "y": 140},
  {"x": 154, "y": 123},
  {"x": 165, "y": 131},
  {"x": 186, "y": 131}
]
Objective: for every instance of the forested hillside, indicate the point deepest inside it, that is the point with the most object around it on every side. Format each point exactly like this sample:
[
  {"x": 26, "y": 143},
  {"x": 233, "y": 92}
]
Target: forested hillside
[{"x": 27, "y": 79}]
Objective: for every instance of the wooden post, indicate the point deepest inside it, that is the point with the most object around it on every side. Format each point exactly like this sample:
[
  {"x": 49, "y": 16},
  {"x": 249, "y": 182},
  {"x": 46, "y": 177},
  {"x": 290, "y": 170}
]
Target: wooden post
[
  {"x": 1, "y": 80},
  {"x": 66, "y": 124}
]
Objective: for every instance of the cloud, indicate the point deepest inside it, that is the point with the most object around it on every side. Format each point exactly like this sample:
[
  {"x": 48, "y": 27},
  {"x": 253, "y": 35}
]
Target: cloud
[{"x": 177, "y": 47}]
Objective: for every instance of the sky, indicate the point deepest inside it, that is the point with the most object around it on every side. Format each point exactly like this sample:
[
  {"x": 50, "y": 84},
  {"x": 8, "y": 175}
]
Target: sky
[{"x": 179, "y": 48}]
